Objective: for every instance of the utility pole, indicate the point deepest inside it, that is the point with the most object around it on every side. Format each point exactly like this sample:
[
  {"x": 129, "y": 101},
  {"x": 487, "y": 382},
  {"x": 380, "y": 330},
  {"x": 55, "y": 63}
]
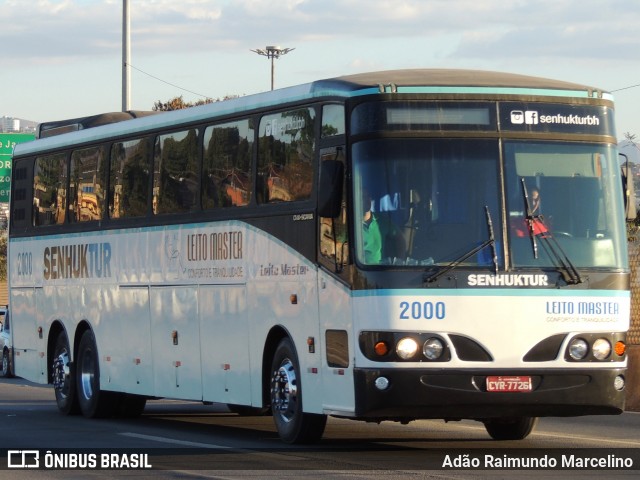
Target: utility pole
[
  {"x": 272, "y": 52},
  {"x": 126, "y": 56}
]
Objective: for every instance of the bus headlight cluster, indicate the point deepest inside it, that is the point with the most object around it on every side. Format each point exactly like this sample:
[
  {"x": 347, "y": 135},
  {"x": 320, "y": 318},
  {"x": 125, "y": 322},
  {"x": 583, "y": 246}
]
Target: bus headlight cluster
[
  {"x": 386, "y": 346},
  {"x": 594, "y": 347},
  {"x": 407, "y": 348}
]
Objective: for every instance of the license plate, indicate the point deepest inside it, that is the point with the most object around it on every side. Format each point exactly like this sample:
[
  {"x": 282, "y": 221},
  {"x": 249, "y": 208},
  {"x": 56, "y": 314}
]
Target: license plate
[{"x": 509, "y": 384}]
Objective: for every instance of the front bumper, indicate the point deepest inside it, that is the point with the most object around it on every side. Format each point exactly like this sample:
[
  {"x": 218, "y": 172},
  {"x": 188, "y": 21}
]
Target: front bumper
[{"x": 457, "y": 394}]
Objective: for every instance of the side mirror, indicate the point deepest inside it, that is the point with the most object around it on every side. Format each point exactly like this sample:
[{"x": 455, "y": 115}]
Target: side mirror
[
  {"x": 330, "y": 188},
  {"x": 628, "y": 190}
]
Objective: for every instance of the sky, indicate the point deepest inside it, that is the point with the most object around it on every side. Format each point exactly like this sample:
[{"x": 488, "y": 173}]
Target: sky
[{"x": 63, "y": 58}]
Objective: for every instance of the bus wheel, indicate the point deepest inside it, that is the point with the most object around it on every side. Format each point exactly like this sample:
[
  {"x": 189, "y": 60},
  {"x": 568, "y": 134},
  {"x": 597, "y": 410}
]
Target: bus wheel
[
  {"x": 292, "y": 424},
  {"x": 6, "y": 365},
  {"x": 510, "y": 428},
  {"x": 94, "y": 403},
  {"x": 64, "y": 382}
]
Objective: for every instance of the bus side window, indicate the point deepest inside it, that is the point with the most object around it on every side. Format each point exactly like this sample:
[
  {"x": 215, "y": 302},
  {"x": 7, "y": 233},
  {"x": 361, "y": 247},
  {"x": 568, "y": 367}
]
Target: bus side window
[
  {"x": 50, "y": 189},
  {"x": 175, "y": 172},
  {"x": 226, "y": 170},
  {"x": 129, "y": 179},
  {"x": 87, "y": 189},
  {"x": 334, "y": 234},
  {"x": 21, "y": 208},
  {"x": 333, "y": 122},
  {"x": 286, "y": 150}
]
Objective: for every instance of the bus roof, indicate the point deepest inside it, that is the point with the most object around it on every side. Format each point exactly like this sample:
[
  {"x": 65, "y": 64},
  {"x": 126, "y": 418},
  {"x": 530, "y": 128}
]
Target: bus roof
[{"x": 435, "y": 81}]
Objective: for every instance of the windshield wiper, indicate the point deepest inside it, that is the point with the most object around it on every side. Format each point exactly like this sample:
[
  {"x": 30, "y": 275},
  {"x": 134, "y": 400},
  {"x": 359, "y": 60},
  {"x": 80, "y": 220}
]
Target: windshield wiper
[
  {"x": 550, "y": 244},
  {"x": 490, "y": 241}
]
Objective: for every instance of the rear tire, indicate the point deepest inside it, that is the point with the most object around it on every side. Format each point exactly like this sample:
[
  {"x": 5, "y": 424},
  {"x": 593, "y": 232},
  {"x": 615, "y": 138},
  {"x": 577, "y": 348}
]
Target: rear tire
[
  {"x": 293, "y": 425},
  {"x": 94, "y": 403},
  {"x": 510, "y": 428},
  {"x": 6, "y": 365},
  {"x": 63, "y": 377}
]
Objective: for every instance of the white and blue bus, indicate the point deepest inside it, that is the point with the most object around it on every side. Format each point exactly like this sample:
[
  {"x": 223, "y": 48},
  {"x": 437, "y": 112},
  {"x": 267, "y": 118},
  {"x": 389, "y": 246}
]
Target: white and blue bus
[{"x": 399, "y": 245}]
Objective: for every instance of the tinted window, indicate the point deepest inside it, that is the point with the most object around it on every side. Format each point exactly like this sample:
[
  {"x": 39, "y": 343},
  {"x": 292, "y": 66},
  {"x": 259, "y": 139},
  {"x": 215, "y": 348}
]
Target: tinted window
[
  {"x": 285, "y": 156},
  {"x": 175, "y": 177},
  {"x": 226, "y": 175},
  {"x": 571, "y": 194},
  {"x": 129, "y": 179},
  {"x": 332, "y": 120},
  {"x": 50, "y": 189},
  {"x": 422, "y": 201},
  {"x": 87, "y": 189}
]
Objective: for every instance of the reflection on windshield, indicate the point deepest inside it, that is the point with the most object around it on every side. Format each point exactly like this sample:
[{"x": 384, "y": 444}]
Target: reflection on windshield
[
  {"x": 422, "y": 202},
  {"x": 573, "y": 193}
]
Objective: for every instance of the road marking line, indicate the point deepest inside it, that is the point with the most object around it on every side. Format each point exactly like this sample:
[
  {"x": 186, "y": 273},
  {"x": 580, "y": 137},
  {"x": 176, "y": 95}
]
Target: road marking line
[
  {"x": 586, "y": 438},
  {"x": 562, "y": 436},
  {"x": 173, "y": 441},
  {"x": 285, "y": 456}
]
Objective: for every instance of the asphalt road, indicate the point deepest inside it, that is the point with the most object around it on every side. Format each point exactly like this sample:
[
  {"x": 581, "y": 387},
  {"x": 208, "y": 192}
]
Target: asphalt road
[{"x": 190, "y": 440}]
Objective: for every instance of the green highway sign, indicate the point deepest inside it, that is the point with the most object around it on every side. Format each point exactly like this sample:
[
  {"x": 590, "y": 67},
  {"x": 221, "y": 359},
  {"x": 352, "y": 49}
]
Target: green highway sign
[{"x": 7, "y": 142}]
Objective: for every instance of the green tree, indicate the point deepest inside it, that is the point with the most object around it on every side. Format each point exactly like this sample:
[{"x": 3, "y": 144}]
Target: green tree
[{"x": 178, "y": 103}]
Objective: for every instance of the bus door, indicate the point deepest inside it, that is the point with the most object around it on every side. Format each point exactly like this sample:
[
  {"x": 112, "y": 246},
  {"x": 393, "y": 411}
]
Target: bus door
[{"x": 334, "y": 295}]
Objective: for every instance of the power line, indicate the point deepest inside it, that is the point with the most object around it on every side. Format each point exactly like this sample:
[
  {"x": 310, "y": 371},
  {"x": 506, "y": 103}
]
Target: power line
[
  {"x": 168, "y": 83},
  {"x": 625, "y": 88}
]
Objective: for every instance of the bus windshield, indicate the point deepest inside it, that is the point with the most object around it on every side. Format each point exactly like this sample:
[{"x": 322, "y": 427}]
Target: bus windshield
[
  {"x": 572, "y": 195},
  {"x": 422, "y": 201}
]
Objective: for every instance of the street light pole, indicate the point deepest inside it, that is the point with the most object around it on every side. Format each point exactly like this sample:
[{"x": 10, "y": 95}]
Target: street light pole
[
  {"x": 272, "y": 52},
  {"x": 126, "y": 56}
]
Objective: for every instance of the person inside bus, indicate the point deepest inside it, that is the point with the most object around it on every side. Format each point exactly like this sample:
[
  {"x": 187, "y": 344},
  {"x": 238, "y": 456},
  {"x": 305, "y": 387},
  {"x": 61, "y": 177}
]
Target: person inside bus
[
  {"x": 532, "y": 223},
  {"x": 371, "y": 234},
  {"x": 535, "y": 202}
]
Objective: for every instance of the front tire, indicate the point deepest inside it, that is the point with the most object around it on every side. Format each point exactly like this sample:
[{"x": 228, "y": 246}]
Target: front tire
[
  {"x": 293, "y": 425},
  {"x": 510, "y": 428},
  {"x": 94, "y": 403}
]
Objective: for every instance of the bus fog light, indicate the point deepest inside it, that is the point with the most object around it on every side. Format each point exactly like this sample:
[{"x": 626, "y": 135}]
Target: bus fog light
[
  {"x": 578, "y": 349},
  {"x": 601, "y": 348},
  {"x": 381, "y": 383},
  {"x": 406, "y": 348},
  {"x": 433, "y": 348},
  {"x": 618, "y": 383}
]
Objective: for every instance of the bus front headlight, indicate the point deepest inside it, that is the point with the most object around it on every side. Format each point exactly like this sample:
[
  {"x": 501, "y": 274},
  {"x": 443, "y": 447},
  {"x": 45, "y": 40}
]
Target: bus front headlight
[
  {"x": 406, "y": 348},
  {"x": 433, "y": 348},
  {"x": 578, "y": 349},
  {"x": 601, "y": 348}
]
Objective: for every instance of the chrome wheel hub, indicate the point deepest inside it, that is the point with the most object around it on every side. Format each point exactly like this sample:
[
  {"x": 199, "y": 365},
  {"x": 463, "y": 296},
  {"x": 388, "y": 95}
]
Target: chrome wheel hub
[
  {"x": 284, "y": 390},
  {"x": 61, "y": 371}
]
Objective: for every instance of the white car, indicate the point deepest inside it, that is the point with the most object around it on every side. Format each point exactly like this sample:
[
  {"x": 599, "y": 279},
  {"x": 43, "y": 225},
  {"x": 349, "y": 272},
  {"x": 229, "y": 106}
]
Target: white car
[{"x": 6, "y": 343}]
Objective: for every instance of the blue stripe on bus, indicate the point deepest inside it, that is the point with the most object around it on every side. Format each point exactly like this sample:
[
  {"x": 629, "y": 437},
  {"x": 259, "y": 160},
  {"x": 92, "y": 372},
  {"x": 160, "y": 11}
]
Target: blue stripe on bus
[
  {"x": 492, "y": 292},
  {"x": 501, "y": 91}
]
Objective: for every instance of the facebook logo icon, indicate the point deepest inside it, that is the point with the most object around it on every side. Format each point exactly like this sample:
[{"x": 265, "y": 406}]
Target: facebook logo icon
[{"x": 531, "y": 117}]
